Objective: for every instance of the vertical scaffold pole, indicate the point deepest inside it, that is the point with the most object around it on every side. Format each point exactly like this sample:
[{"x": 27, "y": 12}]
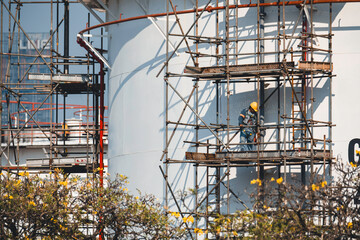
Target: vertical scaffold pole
[
  {"x": 167, "y": 106},
  {"x": 66, "y": 35},
  {"x": 197, "y": 111},
  {"x": 51, "y": 84},
  {"x": 330, "y": 89},
  {"x": 227, "y": 47}
]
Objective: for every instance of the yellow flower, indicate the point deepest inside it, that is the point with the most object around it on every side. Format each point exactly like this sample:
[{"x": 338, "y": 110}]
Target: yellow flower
[
  {"x": 64, "y": 183},
  {"x": 188, "y": 219},
  {"x": 18, "y": 182},
  {"x": 11, "y": 197},
  {"x": 353, "y": 164},
  {"x": 136, "y": 197},
  {"x": 175, "y": 214},
  {"x": 50, "y": 173},
  {"x": 254, "y": 181},
  {"x": 125, "y": 189},
  {"x": 279, "y": 180},
  {"x": 32, "y": 203},
  {"x": 315, "y": 187},
  {"x": 198, "y": 231},
  {"x": 323, "y": 183},
  {"x": 265, "y": 207},
  {"x": 337, "y": 209},
  {"x": 272, "y": 179},
  {"x": 350, "y": 225},
  {"x": 235, "y": 233}
]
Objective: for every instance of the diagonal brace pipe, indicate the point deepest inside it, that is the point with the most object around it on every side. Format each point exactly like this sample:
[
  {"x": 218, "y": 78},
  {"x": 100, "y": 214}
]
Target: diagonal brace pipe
[
  {"x": 37, "y": 50},
  {"x": 184, "y": 37},
  {"x": 177, "y": 123},
  {"x": 200, "y": 118},
  {"x": 173, "y": 195},
  {"x": 19, "y": 131}
]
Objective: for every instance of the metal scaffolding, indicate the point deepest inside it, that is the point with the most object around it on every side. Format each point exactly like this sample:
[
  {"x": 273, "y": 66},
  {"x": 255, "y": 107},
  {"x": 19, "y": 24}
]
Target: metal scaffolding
[
  {"x": 297, "y": 141},
  {"x": 297, "y": 69},
  {"x": 73, "y": 145}
]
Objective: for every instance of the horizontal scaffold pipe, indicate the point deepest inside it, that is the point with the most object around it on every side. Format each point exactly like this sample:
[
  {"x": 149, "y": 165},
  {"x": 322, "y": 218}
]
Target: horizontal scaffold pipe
[{"x": 210, "y": 9}]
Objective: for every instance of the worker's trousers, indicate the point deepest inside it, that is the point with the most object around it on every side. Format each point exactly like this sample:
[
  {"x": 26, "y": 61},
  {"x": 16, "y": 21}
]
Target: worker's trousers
[{"x": 247, "y": 136}]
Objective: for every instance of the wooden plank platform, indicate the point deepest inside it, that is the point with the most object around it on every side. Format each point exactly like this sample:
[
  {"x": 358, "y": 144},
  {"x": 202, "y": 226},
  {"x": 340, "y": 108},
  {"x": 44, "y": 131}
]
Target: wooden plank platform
[
  {"x": 258, "y": 70},
  {"x": 266, "y": 157},
  {"x": 315, "y": 66},
  {"x": 245, "y": 69},
  {"x": 199, "y": 156}
]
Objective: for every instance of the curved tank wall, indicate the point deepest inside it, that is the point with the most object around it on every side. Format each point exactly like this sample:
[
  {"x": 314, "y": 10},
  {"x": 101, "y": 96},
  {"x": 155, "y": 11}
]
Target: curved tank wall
[{"x": 137, "y": 51}]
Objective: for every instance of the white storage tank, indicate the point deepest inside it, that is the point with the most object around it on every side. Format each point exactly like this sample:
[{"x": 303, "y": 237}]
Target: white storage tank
[{"x": 137, "y": 98}]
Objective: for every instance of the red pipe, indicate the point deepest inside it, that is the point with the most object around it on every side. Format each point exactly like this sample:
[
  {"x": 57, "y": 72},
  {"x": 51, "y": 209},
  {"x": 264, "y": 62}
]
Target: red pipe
[
  {"x": 81, "y": 42},
  {"x": 210, "y": 9},
  {"x": 102, "y": 88},
  {"x": 13, "y": 168}
]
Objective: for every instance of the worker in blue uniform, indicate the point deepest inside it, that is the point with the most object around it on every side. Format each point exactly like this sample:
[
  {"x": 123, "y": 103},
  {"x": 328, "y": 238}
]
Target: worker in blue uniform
[{"x": 247, "y": 122}]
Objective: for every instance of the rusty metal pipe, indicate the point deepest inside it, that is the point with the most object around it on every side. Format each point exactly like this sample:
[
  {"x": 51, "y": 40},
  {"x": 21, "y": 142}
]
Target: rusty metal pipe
[{"x": 210, "y": 9}]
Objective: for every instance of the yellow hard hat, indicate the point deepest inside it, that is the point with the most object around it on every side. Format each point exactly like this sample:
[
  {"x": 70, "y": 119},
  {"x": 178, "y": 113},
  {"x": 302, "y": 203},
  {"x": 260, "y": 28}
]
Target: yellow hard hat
[{"x": 254, "y": 106}]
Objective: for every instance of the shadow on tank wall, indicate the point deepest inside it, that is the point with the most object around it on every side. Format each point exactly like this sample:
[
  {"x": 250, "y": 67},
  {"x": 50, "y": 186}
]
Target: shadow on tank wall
[{"x": 132, "y": 29}]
